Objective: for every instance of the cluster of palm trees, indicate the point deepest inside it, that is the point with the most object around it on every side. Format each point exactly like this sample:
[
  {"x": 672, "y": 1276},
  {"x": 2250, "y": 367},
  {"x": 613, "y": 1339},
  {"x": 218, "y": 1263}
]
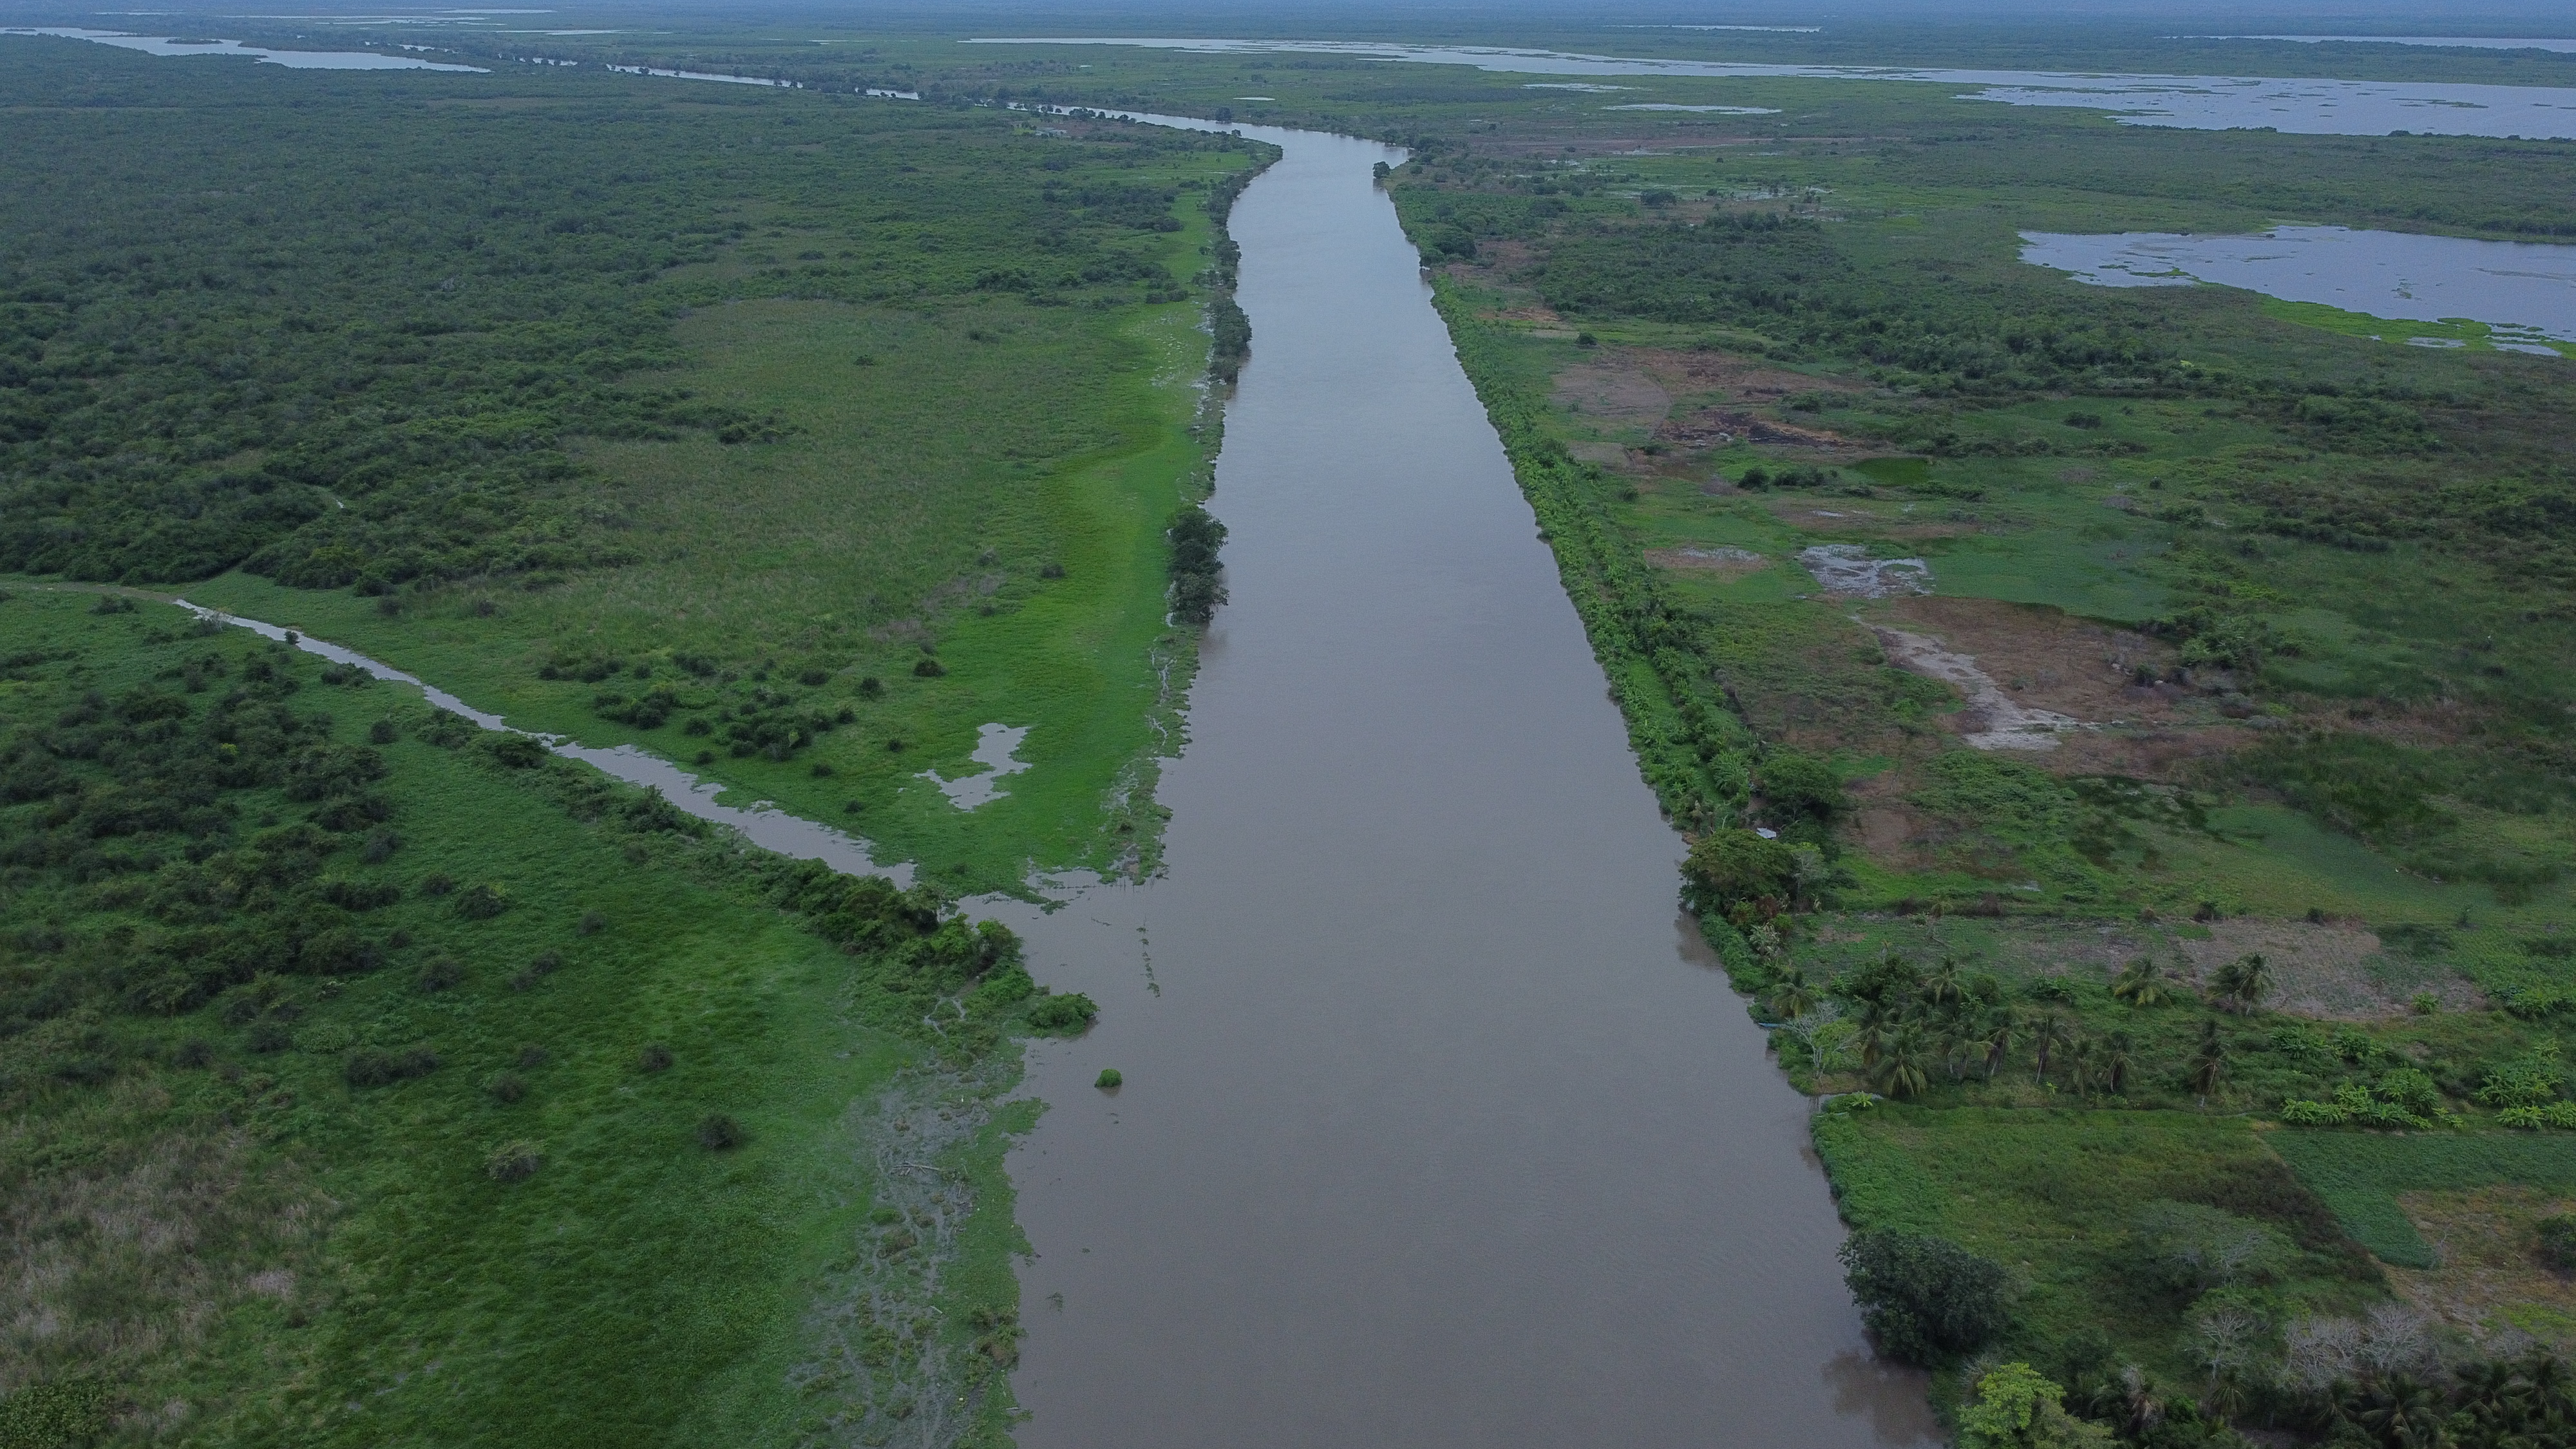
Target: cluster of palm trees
[
  {"x": 2507, "y": 1403},
  {"x": 1915, "y": 1026}
]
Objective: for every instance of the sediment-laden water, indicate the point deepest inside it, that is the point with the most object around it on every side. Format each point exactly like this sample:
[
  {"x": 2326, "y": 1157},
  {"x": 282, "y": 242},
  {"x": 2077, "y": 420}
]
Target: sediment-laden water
[{"x": 1438, "y": 1125}]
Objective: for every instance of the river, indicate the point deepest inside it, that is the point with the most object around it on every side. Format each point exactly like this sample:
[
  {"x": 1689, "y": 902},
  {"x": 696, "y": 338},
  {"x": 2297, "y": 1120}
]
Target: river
[{"x": 1439, "y": 1124}]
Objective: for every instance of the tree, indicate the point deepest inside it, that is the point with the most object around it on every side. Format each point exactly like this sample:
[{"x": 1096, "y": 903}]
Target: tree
[
  {"x": 2119, "y": 1057},
  {"x": 1904, "y": 1065},
  {"x": 2242, "y": 984},
  {"x": 1731, "y": 868},
  {"x": 1792, "y": 995},
  {"x": 2142, "y": 983},
  {"x": 2209, "y": 1059},
  {"x": 1923, "y": 1297},
  {"x": 1808, "y": 1029},
  {"x": 2015, "y": 1408},
  {"x": 2003, "y": 1025},
  {"x": 1799, "y": 787},
  {"x": 2046, "y": 1035}
]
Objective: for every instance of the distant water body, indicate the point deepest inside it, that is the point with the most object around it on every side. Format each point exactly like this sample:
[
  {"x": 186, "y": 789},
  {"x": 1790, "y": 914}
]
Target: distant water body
[
  {"x": 2303, "y": 106},
  {"x": 2525, "y": 289},
  {"x": 2450, "y": 42},
  {"x": 291, "y": 59}
]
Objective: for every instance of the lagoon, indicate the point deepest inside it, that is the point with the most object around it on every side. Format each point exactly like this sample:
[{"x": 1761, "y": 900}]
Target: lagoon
[
  {"x": 2208, "y": 103},
  {"x": 2524, "y": 290}
]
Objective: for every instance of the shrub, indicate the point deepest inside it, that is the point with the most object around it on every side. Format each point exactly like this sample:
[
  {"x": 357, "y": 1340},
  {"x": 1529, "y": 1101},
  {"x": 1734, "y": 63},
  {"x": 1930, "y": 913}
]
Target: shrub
[
  {"x": 1196, "y": 538},
  {"x": 720, "y": 1133},
  {"x": 592, "y": 923},
  {"x": 1110, "y": 1080},
  {"x": 194, "y": 1052},
  {"x": 481, "y": 902},
  {"x": 928, "y": 668},
  {"x": 270, "y": 1036},
  {"x": 1061, "y": 1013},
  {"x": 514, "y": 1161},
  {"x": 2557, "y": 1242},
  {"x": 505, "y": 1086},
  {"x": 654, "y": 1058},
  {"x": 870, "y": 687},
  {"x": 2015, "y": 1408},
  {"x": 437, "y": 883},
  {"x": 377, "y": 1068},
  {"x": 1795, "y": 784},
  {"x": 2195, "y": 1247},
  {"x": 532, "y": 1056},
  {"x": 1731, "y": 868},
  {"x": 1924, "y": 1298},
  {"x": 441, "y": 972}
]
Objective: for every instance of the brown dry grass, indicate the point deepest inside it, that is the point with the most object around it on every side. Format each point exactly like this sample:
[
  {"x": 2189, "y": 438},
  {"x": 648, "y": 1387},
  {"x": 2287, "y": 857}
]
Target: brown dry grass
[
  {"x": 2489, "y": 1284},
  {"x": 1612, "y": 391},
  {"x": 2335, "y": 970},
  {"x": 117, "y": 1269}
]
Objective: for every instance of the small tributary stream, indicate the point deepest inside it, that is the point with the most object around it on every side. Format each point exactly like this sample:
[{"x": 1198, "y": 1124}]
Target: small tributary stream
[{"x": 1439, "y": 1125}]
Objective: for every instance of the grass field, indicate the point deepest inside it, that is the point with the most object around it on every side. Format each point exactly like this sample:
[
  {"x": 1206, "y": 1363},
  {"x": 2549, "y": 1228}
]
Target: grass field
[{"x": 230, "y": 1227}]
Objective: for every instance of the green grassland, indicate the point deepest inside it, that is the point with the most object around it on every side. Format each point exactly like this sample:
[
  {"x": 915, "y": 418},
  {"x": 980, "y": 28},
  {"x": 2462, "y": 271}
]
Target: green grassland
[
  {"x": 2332, "y": 572},
  {"x": 2058, "y": 1195},
  {"x": 274, "y": 1004},
  {"x": 368, "y": 1079},
  {"x": 820, "y": 387}
]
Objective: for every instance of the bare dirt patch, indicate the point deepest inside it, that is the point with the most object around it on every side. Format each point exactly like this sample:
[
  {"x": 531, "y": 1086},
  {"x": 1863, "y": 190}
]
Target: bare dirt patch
[
  {"x": 2489, "y": 1284},
  {"x": 2334, "y": 971},
  {"x": 1727, "y": 563},
  {"x": 1740, "y": 379},
  {"x": 1612, "y": 392},
  {"x": 1718, "y": 427}
]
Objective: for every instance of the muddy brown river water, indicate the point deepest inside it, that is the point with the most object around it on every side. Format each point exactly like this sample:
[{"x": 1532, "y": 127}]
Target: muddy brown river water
[{"x": 1439, "y": 1126}]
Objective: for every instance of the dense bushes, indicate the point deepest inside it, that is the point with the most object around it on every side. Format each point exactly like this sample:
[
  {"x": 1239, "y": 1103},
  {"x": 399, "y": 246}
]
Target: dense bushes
[
  {"x": 1197, "y": 588},
  {"x": 1925, "y": 1298},
  {"x": 1785, "y": 276},
  {"x": 344, "y": 338}
]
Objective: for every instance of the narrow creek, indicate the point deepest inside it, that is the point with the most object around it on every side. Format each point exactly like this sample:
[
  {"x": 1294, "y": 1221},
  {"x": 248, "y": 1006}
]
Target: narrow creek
[{"x": 1439, "y": 1125}]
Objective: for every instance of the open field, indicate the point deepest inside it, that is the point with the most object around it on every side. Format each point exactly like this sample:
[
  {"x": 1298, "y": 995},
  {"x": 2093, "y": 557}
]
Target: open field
[{"x": 360, "y": 1079}]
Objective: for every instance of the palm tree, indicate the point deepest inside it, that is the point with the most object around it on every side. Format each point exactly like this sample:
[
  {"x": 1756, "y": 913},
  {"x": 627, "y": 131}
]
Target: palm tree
[
  {"x": 2140, "y": 1409},
  {"x": 2118, "y": 1059},
  {"x": 1791, "y": 994},
  {"x": 1943, "y": 985},
  {"x": 2046, "y": 1035},
  {"x": 2080, "y": 1075},
  {"x": 1997, "y": 1032},
  {"x": 1903, "y": 1066},
  {"x": 2405, "y": 1412},
  {"x": 2209, "y": 1060},
  {"x": 2243, "y": 983},
  {"x": 1877, "y": 1024},
  {"x": 2142, "y": 983}
]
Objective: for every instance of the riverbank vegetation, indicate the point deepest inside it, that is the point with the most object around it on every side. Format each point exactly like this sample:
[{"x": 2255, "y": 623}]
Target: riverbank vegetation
[
  {"x": 2151, "y": 708},
  {"x": 2121, "y": 731},
  {"x": 351, "y": 1053}
]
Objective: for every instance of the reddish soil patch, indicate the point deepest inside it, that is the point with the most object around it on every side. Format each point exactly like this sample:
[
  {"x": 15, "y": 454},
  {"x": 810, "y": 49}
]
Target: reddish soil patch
[
  {"x": 2044, "y": 659},
  {"x": 1741, "y": 379}
]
